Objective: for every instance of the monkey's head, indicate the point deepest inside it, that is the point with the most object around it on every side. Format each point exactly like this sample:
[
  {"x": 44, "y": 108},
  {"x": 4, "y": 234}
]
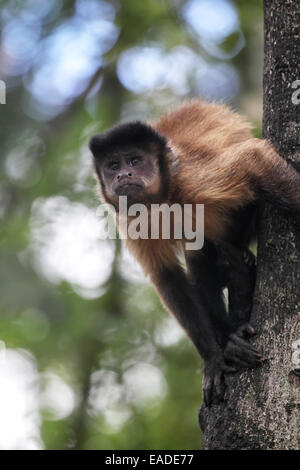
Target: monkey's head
[{"x": 130, "y": 160}]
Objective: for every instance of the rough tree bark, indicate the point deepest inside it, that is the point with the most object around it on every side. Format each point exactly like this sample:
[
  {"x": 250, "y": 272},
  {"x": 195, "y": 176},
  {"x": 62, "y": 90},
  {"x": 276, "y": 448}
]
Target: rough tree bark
[{"x": 262, "y": 407}]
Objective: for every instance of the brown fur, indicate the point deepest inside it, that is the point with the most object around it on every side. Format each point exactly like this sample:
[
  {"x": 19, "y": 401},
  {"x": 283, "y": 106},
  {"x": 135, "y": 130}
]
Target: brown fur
[
  {"x": 213, "y": 160},
  {"x": 200, "y": 153},
  {"x": 204, "y": 171}
]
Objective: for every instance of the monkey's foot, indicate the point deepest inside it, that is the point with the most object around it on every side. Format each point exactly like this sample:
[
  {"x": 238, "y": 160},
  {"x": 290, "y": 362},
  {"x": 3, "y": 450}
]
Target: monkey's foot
[
  {"x": 213, "y": 379},
  {"x": 239, "y": 352}
]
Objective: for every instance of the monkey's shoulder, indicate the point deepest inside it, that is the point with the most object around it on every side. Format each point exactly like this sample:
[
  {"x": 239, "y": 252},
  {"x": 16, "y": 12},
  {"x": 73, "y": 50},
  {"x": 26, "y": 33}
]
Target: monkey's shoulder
[{"x": 202, "y": 128}]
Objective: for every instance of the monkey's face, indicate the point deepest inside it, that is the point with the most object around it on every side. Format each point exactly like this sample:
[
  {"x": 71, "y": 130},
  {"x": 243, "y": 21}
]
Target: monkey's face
[{"x": 133, "y": 173}]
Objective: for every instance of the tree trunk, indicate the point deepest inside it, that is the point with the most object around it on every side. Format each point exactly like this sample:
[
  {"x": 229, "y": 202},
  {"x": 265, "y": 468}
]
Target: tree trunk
[{"x": 262, "y": 407}]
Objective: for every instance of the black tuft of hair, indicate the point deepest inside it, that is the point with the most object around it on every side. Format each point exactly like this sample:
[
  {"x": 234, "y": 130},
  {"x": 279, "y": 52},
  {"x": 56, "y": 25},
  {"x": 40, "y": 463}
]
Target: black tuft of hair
[{"x": 136, "y": 134}]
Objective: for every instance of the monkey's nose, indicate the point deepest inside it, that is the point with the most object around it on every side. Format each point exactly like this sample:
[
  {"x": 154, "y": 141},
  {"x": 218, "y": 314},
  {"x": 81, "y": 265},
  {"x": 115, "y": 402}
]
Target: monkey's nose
[{"x": 125, "y": 175}]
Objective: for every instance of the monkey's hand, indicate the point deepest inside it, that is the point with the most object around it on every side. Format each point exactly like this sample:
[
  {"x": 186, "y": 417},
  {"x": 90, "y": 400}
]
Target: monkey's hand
[
  {"x": 213, "y": 379},
  {"x": 238, "y": 351}
]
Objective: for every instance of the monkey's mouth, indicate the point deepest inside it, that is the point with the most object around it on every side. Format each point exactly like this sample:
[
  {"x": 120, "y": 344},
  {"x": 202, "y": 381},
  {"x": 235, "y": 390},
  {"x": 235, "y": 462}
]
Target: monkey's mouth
[{"x": 128, "y": 188}]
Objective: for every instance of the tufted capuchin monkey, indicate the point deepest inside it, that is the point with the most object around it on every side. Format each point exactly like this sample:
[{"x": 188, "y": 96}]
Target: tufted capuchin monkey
[{"x": 200, "y": 153}]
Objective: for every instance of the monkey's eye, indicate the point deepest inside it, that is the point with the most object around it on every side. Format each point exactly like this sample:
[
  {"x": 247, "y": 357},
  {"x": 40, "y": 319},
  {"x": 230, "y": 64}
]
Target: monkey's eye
[
  {"x": 134, "y": 161},
  {"x": 113, "y": 165}
]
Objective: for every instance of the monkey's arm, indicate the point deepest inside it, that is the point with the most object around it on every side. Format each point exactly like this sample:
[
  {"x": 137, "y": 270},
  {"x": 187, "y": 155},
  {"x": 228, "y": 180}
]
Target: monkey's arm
[
  {"x": 180, "y": 297},
  {"x": 274, "y": 178},
  {"x": 237, "y": 270},
  {"x": 212, "y": 270}
]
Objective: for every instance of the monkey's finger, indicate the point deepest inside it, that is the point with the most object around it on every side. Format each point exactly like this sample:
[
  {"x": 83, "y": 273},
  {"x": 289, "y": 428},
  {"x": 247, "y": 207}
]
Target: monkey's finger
[
  {"x": 241, "y": 364},
  {"x": 235, "y": 354},
  {"x": 248, "y": 351},
  {"x": 246, "y": 354},
  {"x": 245, "y": 362},
  {"x": 239, "y": 358},
  {"x": 242, "y": 343}
]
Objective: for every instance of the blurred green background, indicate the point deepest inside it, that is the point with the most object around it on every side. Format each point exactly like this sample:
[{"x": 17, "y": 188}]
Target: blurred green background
[{"x": 89, "y": 359}]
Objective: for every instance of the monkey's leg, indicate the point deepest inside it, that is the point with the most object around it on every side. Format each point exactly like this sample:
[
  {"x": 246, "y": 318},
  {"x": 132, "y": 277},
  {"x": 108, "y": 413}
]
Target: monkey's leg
[
  {"x": 179, "y": 295},
  {"x": 204, "y": 275},
  {"x": 237, "y": 268},
  {"x": 205, "y": 271},
  {"x": 238, "y": 272}
]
